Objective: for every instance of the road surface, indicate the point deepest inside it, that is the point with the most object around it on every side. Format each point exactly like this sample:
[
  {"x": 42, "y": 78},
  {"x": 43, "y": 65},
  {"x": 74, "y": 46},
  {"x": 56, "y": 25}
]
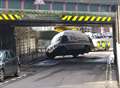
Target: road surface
[{"x": 86, "y": 71}]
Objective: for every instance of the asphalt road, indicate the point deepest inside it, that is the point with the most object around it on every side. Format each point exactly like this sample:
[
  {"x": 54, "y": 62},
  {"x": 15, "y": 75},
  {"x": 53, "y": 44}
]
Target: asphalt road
[{"x": 86, "y": 71}]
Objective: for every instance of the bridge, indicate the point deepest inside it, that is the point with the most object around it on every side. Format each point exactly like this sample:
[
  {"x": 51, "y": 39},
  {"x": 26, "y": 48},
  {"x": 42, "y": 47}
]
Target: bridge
[{"x": 46, "y": 18}]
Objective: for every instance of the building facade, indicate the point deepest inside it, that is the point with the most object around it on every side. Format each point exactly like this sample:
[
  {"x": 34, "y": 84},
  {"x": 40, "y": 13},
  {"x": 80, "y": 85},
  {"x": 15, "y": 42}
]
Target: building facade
[
  {"x": 61, "y": 5},
  {"x": 72, "y": 6}
]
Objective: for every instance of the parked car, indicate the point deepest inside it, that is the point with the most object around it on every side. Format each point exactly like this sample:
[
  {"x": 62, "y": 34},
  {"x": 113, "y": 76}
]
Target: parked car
[
  {"x": 69, "y": 43},
  {"x": 9, "y": 64}
]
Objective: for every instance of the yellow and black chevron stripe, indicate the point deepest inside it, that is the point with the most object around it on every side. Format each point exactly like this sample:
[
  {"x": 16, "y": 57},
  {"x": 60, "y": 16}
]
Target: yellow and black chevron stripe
[
  {"x": 103, "y": 44},
  {"x": 86, "y": 18},
  {"x": 12, "y": 17}
]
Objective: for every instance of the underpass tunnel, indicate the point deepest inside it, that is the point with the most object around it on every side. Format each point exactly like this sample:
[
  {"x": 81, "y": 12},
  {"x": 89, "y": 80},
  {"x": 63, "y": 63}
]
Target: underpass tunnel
[{"x": 30, "y": 39}]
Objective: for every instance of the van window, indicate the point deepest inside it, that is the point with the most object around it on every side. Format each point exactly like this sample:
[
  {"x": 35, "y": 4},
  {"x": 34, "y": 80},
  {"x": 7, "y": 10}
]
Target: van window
[{"x": 64, "y": 39}]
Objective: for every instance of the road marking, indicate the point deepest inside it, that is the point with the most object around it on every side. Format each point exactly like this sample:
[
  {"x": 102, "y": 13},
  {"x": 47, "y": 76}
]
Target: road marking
[
  {"x": 5, "y": 82},
  {"x": 18, "y": 77},
  {"x": 14, "y": 79},
  {"x": 24, "y": 75}
]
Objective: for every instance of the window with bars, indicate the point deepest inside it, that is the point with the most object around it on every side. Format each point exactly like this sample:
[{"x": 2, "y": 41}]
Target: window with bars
[
  {"x": 29, "y": 4},
  {"x": 94, "y": 7},
  {"x": 113, "y": 8},
  {"x": 70, "y": 6},
  {"x": 2, "y": 3},
  {"x": 45, "y": 6},
  {"x": 104, "y": 8},
  {"x": 82, "y": 7},
  {"x": 14, "y": 4},
  {"x": 57, "y": 6}
]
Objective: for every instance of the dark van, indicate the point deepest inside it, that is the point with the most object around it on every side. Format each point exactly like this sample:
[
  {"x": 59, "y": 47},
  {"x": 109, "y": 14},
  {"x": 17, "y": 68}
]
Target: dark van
[{"x": 69, "y": 43}]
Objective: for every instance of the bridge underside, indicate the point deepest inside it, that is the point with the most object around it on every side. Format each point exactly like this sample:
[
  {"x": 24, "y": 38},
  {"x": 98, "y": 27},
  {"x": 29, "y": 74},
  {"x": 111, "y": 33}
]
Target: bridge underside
[{"x": 48, "y": 23}]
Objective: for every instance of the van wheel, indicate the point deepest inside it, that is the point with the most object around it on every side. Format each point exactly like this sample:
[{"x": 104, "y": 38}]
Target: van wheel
[
  {"x": 17, "y": 73},
  {"x": 2, "y": 77}
]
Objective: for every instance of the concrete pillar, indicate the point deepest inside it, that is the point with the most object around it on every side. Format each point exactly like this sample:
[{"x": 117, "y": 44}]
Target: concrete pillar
[
  {"x": 116, "y": 43},
  {"x": 118, "y": 24},
  {"x": 7, "y": 37}
]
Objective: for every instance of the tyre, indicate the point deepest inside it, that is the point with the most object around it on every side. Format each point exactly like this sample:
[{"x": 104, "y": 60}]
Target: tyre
[
  {"x": 17, "y": 73},
  {"x": 2, "y": 77}
]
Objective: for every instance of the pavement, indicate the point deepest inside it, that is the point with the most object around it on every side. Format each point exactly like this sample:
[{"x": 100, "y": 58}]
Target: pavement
[{"x": 86, "y": 71}]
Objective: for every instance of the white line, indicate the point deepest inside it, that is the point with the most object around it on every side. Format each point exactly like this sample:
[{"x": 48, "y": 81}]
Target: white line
[
  {"x": 6, "y": 82},
  {"x": 19, "y": 77},
  {"x": 24, "y": 75},
  {"x": 13, "y": 79}
]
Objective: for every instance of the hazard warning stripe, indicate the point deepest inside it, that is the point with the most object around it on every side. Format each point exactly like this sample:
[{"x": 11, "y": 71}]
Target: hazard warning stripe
[
  {"x": 18, "y": 17},
  {"x": 5, "y": 16},
  {"x": 98, "y": 18},
  {"x": 74, "y": 18},
  {"x": 93, "y": 18},
  {"x": 1, "y": 18},
  {"x": 13, "y": 17},
  {"x": 81, "y": 18},
  {"x": 109, "y": 19},
  {"x": 104, "y": 18},
  {"x": 86, "y": 18}
]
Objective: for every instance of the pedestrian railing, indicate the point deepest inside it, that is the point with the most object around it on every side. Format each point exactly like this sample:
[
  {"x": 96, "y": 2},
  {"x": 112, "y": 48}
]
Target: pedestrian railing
[{"x": 39, "y": 53}]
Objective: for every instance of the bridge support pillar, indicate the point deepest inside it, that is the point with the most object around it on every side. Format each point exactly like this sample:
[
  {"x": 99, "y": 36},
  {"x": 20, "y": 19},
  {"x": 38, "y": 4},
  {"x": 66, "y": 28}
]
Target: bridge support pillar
[
  {"x": 116, "y": 42},
  {"x": 7, "y": 37}
]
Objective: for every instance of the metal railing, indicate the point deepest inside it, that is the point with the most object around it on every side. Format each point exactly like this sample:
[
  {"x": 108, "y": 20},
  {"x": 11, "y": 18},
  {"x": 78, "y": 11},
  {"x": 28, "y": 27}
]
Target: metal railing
[{"x": 38, "y": 54}]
